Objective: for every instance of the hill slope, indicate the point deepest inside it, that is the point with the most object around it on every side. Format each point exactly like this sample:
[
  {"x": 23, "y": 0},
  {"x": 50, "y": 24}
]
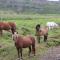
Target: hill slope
[{"x": 35, "y": 6}]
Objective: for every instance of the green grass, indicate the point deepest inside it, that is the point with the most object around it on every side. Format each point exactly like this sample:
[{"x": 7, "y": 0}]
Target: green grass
[{"x": 26, "y": 25}]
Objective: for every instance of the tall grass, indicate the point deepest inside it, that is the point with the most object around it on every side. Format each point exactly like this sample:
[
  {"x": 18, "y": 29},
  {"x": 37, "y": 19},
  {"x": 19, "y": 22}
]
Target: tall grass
[{"x": 26, "y": 25}]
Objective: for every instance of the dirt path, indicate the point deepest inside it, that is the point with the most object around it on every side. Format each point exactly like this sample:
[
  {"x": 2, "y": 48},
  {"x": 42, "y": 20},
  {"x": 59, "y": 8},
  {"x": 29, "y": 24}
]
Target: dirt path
[{"x": 53, "y": 53}]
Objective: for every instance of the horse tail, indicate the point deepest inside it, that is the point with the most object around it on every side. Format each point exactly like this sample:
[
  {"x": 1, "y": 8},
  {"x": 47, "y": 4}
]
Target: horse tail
[{"x": 33, "y": 45}]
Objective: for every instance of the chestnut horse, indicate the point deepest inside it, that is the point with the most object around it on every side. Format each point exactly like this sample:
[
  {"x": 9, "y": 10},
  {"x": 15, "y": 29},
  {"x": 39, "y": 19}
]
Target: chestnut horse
[
  {"x": 23, "y": 42},
  {"x": 41, "y": 31},
  {"x": 8, "y": 26}
]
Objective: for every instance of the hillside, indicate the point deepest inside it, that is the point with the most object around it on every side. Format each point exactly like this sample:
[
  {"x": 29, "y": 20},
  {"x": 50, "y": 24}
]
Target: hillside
[{"x": 33, "y": 6}]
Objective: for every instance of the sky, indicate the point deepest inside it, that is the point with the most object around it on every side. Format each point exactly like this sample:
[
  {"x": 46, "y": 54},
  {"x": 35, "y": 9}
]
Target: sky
[{"x": 53, "y": 0}]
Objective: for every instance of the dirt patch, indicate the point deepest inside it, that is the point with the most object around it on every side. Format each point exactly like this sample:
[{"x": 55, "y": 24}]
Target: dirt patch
[
  {"x": 53, "y": 53},
  {"x": 2, "y": 46}
]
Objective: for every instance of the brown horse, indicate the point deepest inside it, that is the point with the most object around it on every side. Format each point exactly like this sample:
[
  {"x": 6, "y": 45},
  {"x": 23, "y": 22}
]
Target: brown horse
[
  {"x": 4, "y": 26},
  {"x": 24, "y": 42},
  {"x": 41, "y": 31},
  {"x": 8, "y": 26}
]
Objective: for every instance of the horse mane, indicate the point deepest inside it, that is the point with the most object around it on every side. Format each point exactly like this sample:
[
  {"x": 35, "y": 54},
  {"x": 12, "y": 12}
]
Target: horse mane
[{"x": 37, "y": 27}]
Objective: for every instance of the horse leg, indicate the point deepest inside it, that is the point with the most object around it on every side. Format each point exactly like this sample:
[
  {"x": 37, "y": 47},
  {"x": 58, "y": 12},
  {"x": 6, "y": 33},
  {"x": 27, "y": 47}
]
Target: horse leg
[
  {"x": 1, "y": 32},
  {"x": 21, "y": 52},
  {"x": 38, "y": 37},
  {"x": 33, "y": 49},
  {"x": 18, "y": 53},
  {"x": 29, "y": 50},
  {"x": 45, "y": 38}
]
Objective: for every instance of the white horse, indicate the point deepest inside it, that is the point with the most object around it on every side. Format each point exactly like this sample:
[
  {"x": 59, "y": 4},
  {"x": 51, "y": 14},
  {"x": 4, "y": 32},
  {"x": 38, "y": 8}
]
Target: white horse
[{"x": 52, "y": 25}]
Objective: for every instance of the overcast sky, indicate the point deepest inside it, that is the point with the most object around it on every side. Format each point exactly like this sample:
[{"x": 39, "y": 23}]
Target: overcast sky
[{"x": 53, "y": 0}]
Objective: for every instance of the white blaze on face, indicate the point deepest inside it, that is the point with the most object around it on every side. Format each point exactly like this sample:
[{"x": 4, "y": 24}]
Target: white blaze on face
[{"x": 14, "y": 36}]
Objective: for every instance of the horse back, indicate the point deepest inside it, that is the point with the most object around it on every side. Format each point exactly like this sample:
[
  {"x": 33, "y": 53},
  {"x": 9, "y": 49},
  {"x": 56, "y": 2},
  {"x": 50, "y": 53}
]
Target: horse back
[
  {"x": 42, "y": 31},
  {"x": 4, "y": 25},
  {"x": 25, "y": 41}
]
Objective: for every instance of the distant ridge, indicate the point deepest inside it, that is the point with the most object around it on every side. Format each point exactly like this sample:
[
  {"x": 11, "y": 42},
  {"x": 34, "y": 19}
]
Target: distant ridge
[{"x": 33, "y": 6}]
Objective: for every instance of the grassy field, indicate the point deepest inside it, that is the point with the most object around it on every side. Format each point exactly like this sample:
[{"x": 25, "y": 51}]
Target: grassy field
[{"x": 28, "y": 22}]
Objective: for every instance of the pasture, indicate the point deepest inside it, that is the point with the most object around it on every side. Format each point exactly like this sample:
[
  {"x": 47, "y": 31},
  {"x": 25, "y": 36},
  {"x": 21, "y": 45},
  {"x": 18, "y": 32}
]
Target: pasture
[{"x": 26, "y": 25}]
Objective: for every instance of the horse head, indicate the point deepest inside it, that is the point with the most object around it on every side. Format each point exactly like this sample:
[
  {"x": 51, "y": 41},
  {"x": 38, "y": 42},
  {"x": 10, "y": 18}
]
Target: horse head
[{"x": 15, "y": 36}]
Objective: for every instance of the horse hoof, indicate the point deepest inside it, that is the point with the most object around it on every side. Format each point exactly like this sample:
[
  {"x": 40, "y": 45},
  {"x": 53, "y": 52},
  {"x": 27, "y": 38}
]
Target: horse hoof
[
  {"x": 21, "y": 59},
  {"x": 31, "y": 56},
  {"x": 18, "y": 59}
]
